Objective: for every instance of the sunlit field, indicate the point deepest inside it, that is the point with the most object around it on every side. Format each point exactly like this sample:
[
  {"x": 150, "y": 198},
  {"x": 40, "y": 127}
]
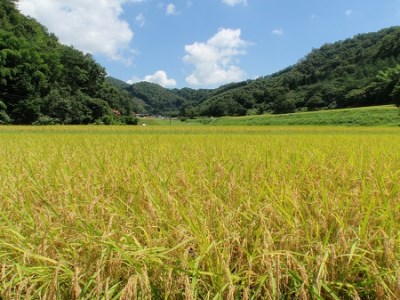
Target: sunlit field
[{"x": 199, "y": 212}]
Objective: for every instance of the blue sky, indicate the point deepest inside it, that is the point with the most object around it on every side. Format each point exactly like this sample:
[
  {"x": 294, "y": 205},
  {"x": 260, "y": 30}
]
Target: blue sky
[{"x": 205, "y": 43}]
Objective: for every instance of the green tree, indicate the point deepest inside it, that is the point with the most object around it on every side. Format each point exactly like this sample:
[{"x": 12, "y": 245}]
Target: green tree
[
  {"x": 285, "y": 106},
  {"x": 4, "y": 118},
  {"x": 386, "y": 85},
  {"x": 27, "y": 112}
]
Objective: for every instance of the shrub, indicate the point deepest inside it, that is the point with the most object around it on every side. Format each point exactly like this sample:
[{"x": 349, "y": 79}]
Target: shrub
[
  {"x": 4, "y": 118},
  {"x": 46, "y": 120},
  {"x": 130, "y": 120}
]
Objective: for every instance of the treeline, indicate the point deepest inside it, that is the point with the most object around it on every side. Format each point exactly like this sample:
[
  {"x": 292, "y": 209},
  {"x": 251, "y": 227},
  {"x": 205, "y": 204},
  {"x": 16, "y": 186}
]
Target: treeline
[
  {"x": 361, "y": 71},
  {"x": 156, "y": 99},
  {"x": 44, "y": 82}
]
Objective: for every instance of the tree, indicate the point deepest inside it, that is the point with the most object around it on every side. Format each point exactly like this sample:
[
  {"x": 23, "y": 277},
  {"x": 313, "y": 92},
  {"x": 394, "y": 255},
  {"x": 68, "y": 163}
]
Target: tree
[
  {"x": 244, "y": 99},
  {"x": 27, "y": 112},
  {"x": 387, "y": 85},
  {"x": 314, "y": 102},
  {"x": 285, "y": 106},
  {"x": 42, "y": 79},
  {"x": 356, "y": 97},
  {"x": 4, "y": 118},
  {"x": 395, "y": 94}
]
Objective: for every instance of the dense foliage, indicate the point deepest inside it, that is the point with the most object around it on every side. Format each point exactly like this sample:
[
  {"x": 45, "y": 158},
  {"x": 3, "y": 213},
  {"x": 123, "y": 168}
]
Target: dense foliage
[
  {"x": 44, "y": 82},
  {"x": 361, "y": 71},
  {"x": 382, "y": 115},
  {"x": 117, "y": 82},
  {"x": 157, "y": 100}
]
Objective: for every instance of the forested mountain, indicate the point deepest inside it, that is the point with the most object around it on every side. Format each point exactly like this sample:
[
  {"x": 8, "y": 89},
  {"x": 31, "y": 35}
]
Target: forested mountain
[
  {"x": 360, "y": 71},
  {"x": 42, "y": 81},
  {"x": 179, "y": 102},
  {"x": 117, "y": 82},
  {"x": 157, "y": 100}
]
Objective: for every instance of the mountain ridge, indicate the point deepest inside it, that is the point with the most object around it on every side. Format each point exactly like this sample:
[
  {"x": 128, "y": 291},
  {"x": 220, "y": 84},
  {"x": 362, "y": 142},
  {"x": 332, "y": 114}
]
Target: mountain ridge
[
  {"x": 45, "y": 82},
  {"x": 346, "y": 73}
]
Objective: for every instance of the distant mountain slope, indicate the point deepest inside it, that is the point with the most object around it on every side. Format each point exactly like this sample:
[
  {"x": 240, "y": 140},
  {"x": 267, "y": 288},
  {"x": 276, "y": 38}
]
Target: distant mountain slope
[
  {"x": 343, "y": 74},
  {"x": 42, "y": 81},
  {"x": 157, "y": 100},
  {"x": 359, "y": 71},
  {"x": 117, "y": 82}
]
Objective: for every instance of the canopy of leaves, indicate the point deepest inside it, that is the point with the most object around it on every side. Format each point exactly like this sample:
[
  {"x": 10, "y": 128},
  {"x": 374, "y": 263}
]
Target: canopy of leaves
[
  {"x": 354, "y": 72},
  {"x": 157, "y": 99},
  {"x": 117, "y": 82},
  {"x": 40, "y": 79}
]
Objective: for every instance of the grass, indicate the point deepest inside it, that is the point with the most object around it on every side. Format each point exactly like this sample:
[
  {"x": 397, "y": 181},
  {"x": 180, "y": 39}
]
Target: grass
[
  {"x": 387, "y": 115},
  {"x": 201, "y": 212}
]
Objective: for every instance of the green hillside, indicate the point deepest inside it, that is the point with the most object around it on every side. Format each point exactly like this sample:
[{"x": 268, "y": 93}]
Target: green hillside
[
  {"x": 44, "y": 82},
  {"x": 384, "y": 115},
  {"x": 387, "y": 115},
  {"x": 359, "y": 71},
  {"x": 117, "y": 82},
  {"x": 156, "y": 99}
]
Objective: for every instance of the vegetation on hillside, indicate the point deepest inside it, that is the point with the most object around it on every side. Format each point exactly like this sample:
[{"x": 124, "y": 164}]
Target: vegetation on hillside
[
  {"x": 156, "y": 99},
  {"x": 359, "y": 71},
  {"x": 43, "y": 82},
  {"x": 386, "y": 115},
  {"x": 117, "y": 82}
]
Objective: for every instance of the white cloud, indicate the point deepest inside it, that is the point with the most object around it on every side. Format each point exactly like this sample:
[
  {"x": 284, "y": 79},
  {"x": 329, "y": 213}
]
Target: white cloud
[
  {"x": 160, "y": 77},
  {"x": 93, "y": 26},
  {"x": 214, "y": 61},
  {"x": 171, "y": 9},
  {"x": 133, "y": 80},
  {"x": 234, "y": 2},
  {"x": 348, "y": 12},
  {"x": 278, "y": 31},
  {"x": 140, "y": 20}
]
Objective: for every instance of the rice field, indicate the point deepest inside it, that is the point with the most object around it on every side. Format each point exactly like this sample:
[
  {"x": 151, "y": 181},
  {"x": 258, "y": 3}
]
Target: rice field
[{"x": 199, "y": 212}]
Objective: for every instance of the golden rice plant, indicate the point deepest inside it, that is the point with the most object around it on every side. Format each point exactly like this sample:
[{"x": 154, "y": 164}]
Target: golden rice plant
[{"x": 199, "y": 213}]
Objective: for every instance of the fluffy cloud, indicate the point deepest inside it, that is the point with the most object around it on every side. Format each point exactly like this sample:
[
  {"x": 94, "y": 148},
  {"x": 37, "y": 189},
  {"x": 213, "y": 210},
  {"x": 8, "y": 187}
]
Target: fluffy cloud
[
  {"x": 278, "y": 31},
  {"x": 133, "y": 80},
  {"x": 160, "y": 77},
  {"x": 348, "y": 12},
  {"x": 215, "y": 61},
  {"x": 171, "y": 9},
  {"x": 93, "y": 26},
  {"x": 234, "y": 2}
]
